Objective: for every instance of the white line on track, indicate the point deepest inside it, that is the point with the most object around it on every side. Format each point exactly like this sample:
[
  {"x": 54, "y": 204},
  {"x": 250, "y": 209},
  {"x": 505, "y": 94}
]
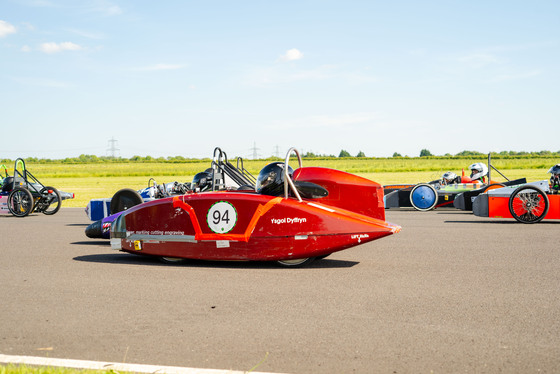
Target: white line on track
[{"x": 115, "y": 366}]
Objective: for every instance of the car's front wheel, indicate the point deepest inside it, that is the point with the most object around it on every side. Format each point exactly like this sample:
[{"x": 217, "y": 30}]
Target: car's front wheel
[{"x": 295, "y": 263}]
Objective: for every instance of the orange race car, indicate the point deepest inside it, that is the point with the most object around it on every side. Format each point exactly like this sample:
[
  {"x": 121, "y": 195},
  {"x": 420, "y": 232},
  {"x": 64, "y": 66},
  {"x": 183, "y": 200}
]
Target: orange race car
[{"x": 527, "y": 203}]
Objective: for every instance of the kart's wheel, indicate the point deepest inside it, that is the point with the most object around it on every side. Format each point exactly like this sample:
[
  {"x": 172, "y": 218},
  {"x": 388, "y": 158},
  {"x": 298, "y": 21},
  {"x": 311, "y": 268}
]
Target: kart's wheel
[
  {"x": 492, "y": 186},
  {"x": 52, "y": 200},
  {"x": 423, "y": 197},
  {"x": 528, "y": 204},
  {"x": 171, "y": 260},
  {"x": 124, "y": 199},
  {"x": 20, "y": 202},
  {"x": 295, "y": 263}
]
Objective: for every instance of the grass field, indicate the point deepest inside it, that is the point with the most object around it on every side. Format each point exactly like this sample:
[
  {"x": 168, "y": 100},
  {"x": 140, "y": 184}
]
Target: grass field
[
  {"x": 24, "y": 369},
  {"x": 98, "y": 180}
]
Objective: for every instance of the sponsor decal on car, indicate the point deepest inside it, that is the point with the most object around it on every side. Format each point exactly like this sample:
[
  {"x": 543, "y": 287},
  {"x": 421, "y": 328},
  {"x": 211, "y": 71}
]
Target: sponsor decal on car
[{"x": 287, "y": 220}]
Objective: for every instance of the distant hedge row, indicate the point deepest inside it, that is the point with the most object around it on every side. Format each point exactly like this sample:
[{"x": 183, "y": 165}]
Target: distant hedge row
[{"x": 92, "y": 159}]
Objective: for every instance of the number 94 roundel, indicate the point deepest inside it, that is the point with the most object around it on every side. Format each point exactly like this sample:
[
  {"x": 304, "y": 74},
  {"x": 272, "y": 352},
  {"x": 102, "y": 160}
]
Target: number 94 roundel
[{"x": 221, "y": 217}]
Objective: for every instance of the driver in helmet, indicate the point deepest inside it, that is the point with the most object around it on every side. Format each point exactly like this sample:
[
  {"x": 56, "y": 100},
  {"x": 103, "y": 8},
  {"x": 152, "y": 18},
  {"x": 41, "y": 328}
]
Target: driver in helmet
[
  {"x": 271, "y": 179},
  {"x": 555, "y": 179},
  {"x": 449, "y": 178},
  {"x": 202, "y": 181},
  {"x": 479, "y": 171}
]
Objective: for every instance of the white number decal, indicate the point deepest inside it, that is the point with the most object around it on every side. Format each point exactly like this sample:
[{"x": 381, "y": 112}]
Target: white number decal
[{"x": 221, "y": 217}]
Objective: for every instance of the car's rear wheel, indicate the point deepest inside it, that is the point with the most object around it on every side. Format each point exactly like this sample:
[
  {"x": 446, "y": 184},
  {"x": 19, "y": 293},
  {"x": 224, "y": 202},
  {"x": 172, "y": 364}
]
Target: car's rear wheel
[
  {"x": 492, "y": 186},
  {"x": 423, "y": 197},
  {"x": 528, "y": 204},
  {"x": 124, "y": 199},
  {"x": 52, "y": 200},
  {"x": 20, "y": 202}
]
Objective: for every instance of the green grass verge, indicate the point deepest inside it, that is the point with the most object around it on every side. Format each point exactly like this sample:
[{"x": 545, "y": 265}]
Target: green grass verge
[
  {"x": 25, "y": 369},
  {"x": 91, "y": 181}
]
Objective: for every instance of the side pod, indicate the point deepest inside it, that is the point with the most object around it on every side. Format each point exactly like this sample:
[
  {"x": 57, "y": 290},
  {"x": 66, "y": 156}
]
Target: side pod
[{"x": 346, "y": 191}]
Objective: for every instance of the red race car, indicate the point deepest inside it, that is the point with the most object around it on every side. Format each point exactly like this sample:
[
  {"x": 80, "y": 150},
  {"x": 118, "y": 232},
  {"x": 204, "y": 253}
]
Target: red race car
[
  {"x": 291, "y": 217},
  {"x": 527, "y": 203}
]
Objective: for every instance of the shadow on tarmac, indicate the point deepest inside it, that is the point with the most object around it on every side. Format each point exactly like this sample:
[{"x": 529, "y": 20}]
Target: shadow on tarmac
[
  {"x": 130, "y": 259},
  {"x": 499, "y": 222}
]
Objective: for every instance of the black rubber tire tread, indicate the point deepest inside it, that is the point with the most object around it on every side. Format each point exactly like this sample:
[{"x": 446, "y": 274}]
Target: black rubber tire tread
[
  {"x": 295, "y": 263},
  {"x": 528, "y": 216},
  {"x": 21, "y": 193},
  {"x": 58, "y": 203},
  {"x": 125, "y": 199}
]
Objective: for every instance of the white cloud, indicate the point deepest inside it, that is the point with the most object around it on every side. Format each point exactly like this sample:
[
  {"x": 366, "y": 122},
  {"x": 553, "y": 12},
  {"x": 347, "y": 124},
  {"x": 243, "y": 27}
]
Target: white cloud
[
  {"x": 106, "y": 8},
  {"x": 329, "y": 121},
  {"x": 479, "y": 60},
  {"x": 160, "y": 67},
  {"x": 28, "y": 26},
  {"x": 264, "y": 76},
  {"x": 113, "y": 10},
  {"x": 516, "y": 76},
  {"x": 6, "y": 29},
  {"x": 41, "y": 82},
  {"x": 53, "y": 47},
  {"x": 280, "y": 74},
  {"x": 40, "y": 3},
  {"x": 87, "y": 34},
  {"x": 292, "y": 55},
  {"x": 25, "y": 48}
]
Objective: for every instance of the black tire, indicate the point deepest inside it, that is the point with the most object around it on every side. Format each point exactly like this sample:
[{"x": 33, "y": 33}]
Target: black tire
[
  {"x": 423, "y": 197},
  {"x": 296, "y": 263},
  {"x": 528, "y": 204},
  {"x": 125, "y": 199},
  {"x": 20, "y": 202},
  {"x": 172, "y": 260},
  {"x": 52, "y": 200}
]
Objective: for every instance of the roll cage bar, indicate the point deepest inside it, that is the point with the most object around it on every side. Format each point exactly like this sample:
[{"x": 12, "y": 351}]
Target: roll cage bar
[
  {"x": 287, "y": 179},
  {"x": 25, "y": 177},
  {"x": 222, "y": 167},
  {"x": 490, "y": 167}
]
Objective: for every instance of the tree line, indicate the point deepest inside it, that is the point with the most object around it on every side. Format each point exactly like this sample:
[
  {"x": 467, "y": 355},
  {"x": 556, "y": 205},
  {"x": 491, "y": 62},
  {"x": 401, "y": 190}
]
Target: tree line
[{"x": 86, "y": 159}]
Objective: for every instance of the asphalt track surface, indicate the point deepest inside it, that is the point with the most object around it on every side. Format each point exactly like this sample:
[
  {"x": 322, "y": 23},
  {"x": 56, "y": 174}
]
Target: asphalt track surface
[{"x": 450, "y": 293}]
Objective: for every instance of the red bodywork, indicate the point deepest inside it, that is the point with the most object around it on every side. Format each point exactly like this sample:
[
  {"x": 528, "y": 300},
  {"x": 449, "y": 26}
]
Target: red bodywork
[
  {"x": 498, "y": 207},
  {"x": 260, "y": 227}
]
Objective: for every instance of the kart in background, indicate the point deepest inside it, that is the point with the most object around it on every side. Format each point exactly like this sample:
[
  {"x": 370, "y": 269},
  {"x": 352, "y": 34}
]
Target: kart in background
[
  {"x": 527, "y": 203},
  {"x": 224, "y": 176},
  {"x": 320, "y": 212},
  {"x": 438, "y": 194},
  {"x": 125, "y": 198},
  {"x": 22, "y": 193}
]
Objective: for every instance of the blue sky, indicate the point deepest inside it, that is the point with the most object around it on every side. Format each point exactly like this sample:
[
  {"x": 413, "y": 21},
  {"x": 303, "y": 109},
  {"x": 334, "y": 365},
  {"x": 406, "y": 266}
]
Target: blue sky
[{"x": 168, "y": 78}]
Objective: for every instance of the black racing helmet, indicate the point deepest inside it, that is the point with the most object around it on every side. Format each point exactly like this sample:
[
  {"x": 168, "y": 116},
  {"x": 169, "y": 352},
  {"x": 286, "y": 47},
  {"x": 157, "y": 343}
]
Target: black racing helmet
[
  {"x": 271, "y": 179},
  {"x": 202, "y": 181},
  {"x": 555, "y": 177}
]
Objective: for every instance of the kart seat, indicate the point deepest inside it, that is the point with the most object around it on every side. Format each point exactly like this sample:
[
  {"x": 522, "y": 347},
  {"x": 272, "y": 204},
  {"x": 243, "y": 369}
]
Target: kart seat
[
  {"x": 246, "y": 187},
  {"x": 308, "y": 190},
  {"x": 311, "y": 190},
  {"x": 7, "y": 184}
]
